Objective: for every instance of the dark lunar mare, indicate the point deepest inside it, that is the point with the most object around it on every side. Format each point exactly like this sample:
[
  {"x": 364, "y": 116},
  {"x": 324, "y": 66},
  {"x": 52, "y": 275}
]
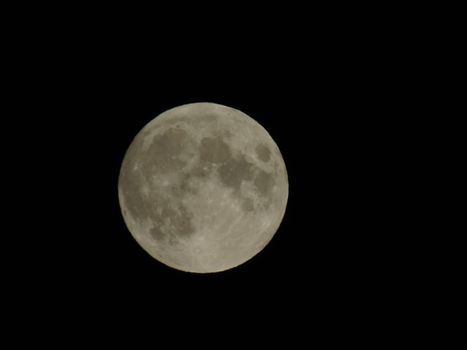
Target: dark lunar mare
[{"x": 163, "y": 157}]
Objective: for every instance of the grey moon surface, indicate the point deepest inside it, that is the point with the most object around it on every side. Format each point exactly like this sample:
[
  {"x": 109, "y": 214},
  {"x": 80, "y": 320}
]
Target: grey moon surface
[{"x": 203, "y": 188}]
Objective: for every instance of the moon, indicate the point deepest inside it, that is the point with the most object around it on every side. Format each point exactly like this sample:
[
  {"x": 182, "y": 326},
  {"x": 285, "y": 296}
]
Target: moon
[{"x": 203, "y": 188}]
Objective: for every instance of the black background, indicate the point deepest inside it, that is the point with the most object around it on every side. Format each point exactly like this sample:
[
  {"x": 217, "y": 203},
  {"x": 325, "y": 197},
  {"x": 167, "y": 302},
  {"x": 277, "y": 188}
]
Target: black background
[{"x": 324, "y": 93}]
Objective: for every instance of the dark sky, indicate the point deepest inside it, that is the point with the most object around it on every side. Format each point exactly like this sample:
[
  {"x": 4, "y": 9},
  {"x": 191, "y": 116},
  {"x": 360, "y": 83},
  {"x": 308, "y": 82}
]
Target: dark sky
[{"x": 325, "y": 99}]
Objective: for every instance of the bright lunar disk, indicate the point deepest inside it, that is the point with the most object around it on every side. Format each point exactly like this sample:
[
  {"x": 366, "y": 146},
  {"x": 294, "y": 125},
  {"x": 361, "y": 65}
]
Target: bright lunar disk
[{"x": 203, "y": 188}]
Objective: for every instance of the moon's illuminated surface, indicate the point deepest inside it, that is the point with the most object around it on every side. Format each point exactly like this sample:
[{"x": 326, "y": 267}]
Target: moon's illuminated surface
[{"x": 203, "y": 187}]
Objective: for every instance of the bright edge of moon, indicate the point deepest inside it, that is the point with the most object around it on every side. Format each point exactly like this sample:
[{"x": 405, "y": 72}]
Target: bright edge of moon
[{"x": 203, "y": 188}]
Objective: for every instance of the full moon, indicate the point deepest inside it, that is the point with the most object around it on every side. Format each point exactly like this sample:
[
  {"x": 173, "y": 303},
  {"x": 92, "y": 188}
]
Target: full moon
[{"x": 203, "y": 188}]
